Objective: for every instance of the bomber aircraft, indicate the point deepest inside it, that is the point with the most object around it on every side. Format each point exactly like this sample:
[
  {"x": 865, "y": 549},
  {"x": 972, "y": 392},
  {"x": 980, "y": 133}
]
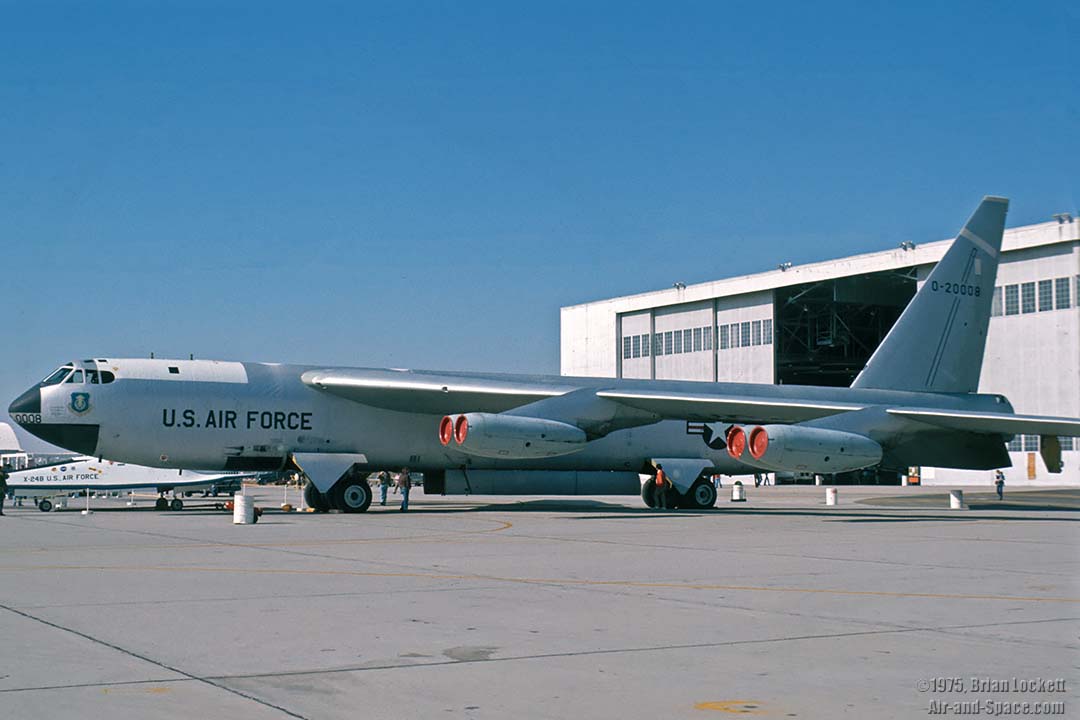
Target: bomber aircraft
[{"x": 915, "y": 403}]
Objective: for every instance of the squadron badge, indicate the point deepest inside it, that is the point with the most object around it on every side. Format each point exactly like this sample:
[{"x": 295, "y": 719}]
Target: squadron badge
[{"x": 80, "y": 403}]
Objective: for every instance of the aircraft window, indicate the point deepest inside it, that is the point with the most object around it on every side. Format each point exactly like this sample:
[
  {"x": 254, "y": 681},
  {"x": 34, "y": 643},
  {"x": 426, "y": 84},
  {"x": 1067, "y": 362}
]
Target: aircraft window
[
  {"x": 57, "y": 377},
  {"x": 174, "y": 370},
  {"x": 107, "y": 377},
  {"x": 76, "y": 377},
  {"x": 92, "y": 377}
]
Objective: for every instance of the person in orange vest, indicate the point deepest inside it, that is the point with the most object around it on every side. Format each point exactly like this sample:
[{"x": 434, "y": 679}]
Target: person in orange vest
[{"x": 662, "y": 487}]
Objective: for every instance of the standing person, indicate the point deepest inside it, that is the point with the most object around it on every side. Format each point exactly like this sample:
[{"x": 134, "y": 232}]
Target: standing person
[
  {"x": 999, "y": 484},
  {"x": 3, "y": 485},
  {"x": 404, "y": 482},
  {"x": 384, "y": 485},
  {"x": 662, "y": 485}
]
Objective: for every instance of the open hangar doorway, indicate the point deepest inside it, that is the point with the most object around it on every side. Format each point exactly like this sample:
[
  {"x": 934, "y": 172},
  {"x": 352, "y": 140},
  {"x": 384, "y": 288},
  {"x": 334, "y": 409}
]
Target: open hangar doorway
[{"x": 826, "y": 332}]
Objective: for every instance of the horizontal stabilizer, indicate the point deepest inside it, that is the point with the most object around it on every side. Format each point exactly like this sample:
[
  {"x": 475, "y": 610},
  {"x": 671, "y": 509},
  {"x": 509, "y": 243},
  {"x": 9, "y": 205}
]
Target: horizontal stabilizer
[{"x": 988, "y": 422}]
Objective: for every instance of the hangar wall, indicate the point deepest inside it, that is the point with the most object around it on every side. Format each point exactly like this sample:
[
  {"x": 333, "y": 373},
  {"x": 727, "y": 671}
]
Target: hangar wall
[{"x": 727, "y": 330}]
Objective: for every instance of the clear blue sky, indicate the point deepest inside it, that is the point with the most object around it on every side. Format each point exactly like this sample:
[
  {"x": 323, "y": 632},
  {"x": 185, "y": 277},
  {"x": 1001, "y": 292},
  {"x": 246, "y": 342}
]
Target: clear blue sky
[{"x": 424, "y": 185}]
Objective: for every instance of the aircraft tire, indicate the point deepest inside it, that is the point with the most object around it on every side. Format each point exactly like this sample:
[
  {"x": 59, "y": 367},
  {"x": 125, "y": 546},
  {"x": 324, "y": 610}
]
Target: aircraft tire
[
  {"x": 648, "y": 492},
  {"x": 701, "y": 496},
  {"x": 315, "y": 499},
  {"x": 176, "y": 505},
  {"x": 161, "y": 504},
  {"x": 351, "y": 494},
  {"x": 45, "y": 505}
]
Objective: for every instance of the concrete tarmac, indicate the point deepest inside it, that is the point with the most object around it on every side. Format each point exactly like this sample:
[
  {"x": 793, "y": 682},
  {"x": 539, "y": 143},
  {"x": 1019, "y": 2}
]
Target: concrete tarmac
[{"x": 484, "y": 607}]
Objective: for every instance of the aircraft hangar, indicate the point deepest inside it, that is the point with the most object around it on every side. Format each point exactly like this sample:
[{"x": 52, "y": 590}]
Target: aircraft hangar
[{"x": 818, "y": 324}]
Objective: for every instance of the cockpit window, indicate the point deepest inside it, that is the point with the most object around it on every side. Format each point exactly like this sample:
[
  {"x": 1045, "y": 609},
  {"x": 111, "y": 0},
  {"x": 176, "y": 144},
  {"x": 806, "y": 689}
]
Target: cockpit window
[
  {"x": 76, "y": 377},
  {"x": 107, "y": 377},
  {"x": 92, "y": 377},
  {"x": 57, "y": 377}
]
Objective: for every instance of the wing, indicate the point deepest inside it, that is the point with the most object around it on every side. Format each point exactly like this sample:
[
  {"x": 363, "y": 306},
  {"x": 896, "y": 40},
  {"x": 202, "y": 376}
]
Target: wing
[
  {"x": 988, "y": 422},
  {"x": 437, "y": 394},
  {"x": 706, "y": 407}
]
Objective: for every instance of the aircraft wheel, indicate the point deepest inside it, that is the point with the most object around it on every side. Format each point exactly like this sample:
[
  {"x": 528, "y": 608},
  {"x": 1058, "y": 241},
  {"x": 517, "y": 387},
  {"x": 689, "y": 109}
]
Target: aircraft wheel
[
  {"x": 315, "y": 499},
  {"x": 161, "y": 504},
  {"x": 45, "y": 505},
  {"x": 701, "y": 496},
  {"x": 351, "y": 494},
  {"x": 177, "y": 504},
  {"x": 648, "y": 492}
]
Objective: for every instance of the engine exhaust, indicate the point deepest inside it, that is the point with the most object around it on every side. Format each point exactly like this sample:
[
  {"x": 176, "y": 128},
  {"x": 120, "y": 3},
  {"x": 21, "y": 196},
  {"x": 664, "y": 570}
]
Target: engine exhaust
[{"x": 461, "y": 429}]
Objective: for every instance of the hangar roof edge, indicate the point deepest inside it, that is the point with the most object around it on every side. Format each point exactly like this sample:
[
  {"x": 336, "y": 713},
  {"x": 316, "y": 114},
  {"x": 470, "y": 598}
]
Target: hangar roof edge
[{"x": 1018, "y": 238}]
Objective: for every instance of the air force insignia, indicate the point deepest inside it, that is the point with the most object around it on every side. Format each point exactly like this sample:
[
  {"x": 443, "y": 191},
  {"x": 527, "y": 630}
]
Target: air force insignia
[{"x": 80, "y": 403}]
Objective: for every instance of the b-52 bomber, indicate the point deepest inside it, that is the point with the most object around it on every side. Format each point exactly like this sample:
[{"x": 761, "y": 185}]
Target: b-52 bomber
[{"x": 915, "y": 403}]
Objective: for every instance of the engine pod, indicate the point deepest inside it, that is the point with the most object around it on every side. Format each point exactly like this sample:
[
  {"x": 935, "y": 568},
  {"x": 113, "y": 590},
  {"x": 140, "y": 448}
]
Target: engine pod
[
  {"x": 796, "y": 448},
  {"x": 493, "y": 435}
]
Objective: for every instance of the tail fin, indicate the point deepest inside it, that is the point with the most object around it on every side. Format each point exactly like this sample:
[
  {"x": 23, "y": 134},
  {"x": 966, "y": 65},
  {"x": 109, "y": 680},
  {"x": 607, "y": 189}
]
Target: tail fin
[{"x": 937, "y": 344}]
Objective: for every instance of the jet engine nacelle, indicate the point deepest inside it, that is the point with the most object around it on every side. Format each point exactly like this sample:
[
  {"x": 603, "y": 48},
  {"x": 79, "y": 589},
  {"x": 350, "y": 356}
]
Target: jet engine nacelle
[
  {"x": 512, "y": 437},
  {"x": 796, "y": 448}
]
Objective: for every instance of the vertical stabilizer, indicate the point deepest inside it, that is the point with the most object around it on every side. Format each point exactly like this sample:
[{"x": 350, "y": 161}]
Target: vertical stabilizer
[{"x": 937, "y": 344}]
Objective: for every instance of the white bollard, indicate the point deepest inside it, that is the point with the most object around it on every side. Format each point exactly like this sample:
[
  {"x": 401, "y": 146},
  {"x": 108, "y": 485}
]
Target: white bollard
[
  {"x": 956, "y": 499},
  {"x": 243, "y": 510},
  {"x": 830, "y": 496},
  {"x": 817, "y": 480},
  {"x": 905, "y": 480},
  {"x": 738, "y": 493}
]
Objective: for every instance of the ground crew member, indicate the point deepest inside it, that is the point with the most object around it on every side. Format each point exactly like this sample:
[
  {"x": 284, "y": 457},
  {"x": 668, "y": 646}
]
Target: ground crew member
[
  {"x": 404, "y": 482},
  {"x": 662, "y": 486},
  {"x": 384, "y": 485},
  {"x": 999, "y": 484},
  {"x": 3, "y": 485}
]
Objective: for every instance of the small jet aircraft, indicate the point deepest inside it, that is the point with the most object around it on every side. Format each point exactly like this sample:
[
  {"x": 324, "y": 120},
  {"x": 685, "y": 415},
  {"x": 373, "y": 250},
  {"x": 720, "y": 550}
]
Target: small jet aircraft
[
  {"x": 48, "y": 482},
  {"x": 915, "y": 403}
]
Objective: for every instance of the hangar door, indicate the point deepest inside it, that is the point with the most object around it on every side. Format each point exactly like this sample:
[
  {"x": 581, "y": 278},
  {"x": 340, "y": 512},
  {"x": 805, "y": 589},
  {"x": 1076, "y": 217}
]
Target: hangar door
[{"x": 826, "y": 331}]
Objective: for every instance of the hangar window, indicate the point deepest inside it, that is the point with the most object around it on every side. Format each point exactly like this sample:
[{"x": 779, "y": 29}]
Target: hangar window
[
  {"x": 626, "y": 348},
  {"x": 636, "y": 342},
  {"x": 1031, "y": 443},
  {"x": 645, "y": 345},
  {"x": 76, "y": 377},
  {"x": 755, "y": 332},
  {"x": 678, "y": 342},
  {"x": 1061, "y": 291},
  {"x": 658, "y": 344},
  {"x": 688, "y": 340},
  {"x": 1027, "y": 297},
  {"x": 1012, "y": 299},
  {"x": 766, "y": 331},
  {"x": 996, "y": 308},
  {"x": 744, "y": 339},
  {"x": 1016, "y": 444},
  {"x": 735, "y": 335},
  {"x": 1066, "y": 443},
  {"x": 706, "y": 338},
  {"x": 1046, "y": 295},
  {"x": 723, "y": 337},
  {"x": 667, "y": 343}
]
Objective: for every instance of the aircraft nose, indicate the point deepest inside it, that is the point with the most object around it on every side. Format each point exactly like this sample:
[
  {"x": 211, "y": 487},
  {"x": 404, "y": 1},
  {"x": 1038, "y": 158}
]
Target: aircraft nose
[{"x": 29, "y": 403}]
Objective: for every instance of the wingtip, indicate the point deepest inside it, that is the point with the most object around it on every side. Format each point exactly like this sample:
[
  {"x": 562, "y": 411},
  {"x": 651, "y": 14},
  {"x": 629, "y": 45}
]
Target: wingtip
[{"x": 996, "y": 199}]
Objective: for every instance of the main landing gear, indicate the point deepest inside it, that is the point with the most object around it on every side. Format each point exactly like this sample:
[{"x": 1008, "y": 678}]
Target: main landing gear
[
  {"x": 700, "y": 496},
  {"x": 350, "y": 494}
]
